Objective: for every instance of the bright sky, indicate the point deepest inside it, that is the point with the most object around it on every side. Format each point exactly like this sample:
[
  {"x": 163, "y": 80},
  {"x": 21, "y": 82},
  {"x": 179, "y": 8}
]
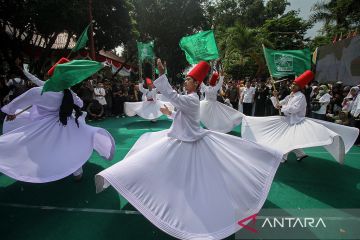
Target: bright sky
[{"x": 305, "y": 10}]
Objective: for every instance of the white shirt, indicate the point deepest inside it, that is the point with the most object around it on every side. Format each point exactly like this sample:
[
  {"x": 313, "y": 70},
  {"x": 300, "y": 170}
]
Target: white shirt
[
  {"x": 324, "y": 100},
  {"x": 186, "y": 124},
  {"x": 211, "y": 91},
  {"x": 248, "y": 94},
  {"x": 294, "y": 107},
  {"x": 101, "y": 98},
  {"x": 147, "y": 94}
]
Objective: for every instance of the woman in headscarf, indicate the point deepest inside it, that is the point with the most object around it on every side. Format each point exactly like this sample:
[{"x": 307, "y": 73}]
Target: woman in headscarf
[
  {"x": 355, "y": 112},
  {"x": 348, "y": 101}
]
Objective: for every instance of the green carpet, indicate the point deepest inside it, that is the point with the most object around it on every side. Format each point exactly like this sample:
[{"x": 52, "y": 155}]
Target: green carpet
[{"x": 68, "y": 210}]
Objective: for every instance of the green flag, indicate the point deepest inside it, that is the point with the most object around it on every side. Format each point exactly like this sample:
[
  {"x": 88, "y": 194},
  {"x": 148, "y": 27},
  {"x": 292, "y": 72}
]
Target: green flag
[
  {"x": 200, "y": 47},
  {"x": 145, "y": 50},
  {"x": 82, "y": 40},
  {"x": 287, "y": 62},
  {"x": 71, "y": 73}
]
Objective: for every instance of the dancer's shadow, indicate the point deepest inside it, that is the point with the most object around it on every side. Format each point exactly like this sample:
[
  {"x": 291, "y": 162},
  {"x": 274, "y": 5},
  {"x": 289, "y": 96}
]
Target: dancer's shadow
[
  {"x": 159, "y": 124},
  {"x": 62, "y": 193}
]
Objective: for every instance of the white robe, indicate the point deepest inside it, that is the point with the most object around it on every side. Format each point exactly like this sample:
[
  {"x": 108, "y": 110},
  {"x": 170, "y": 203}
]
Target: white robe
[
  {"x": 215, "y": 115},
  {"x": 190, "y": 182},
  {"x": 43, "y": 150},
  {"x": 295, "y": 131},
  {"x": 149, "y": 108}
]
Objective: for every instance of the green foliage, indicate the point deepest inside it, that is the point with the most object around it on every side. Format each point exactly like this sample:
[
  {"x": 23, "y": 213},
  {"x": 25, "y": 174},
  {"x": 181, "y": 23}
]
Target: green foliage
[{"x": 286, "y": 32}]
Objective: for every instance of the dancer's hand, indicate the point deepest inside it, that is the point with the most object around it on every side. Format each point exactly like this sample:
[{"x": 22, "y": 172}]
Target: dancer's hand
[
  {"x": 161, "y": 67},
  {"x": 10, "y": 117},
  {"x": 165, "y": 110}
]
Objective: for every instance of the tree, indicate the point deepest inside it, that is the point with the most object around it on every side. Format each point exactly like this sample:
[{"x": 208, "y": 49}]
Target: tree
[
  {"x": 112, "y": 22},
  {"x": 338, "y": 15},
  {"x": 242, "y": 47},
  {"x": 286, "y": 32},
  {"x": 166, "y": 22}
]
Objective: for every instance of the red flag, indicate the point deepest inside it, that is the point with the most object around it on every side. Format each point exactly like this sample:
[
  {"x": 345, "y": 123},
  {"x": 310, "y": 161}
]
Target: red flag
[
  {"x": 335, "y": 39},
  {"x": 354, "y": 33},
  {"x": 341, "y": 36}
]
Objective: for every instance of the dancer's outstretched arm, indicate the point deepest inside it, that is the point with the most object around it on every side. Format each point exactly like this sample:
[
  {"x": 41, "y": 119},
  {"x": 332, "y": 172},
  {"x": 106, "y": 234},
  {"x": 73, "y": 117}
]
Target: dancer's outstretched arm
[{"x": 34, "y": 79}]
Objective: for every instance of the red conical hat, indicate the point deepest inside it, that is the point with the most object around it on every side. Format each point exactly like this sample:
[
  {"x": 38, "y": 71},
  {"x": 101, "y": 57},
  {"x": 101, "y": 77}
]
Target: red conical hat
[
  {"x": 213, "y": 79},
  {"x": 52, "y": 69},
  {"x": 304, "y": 78},
  {"x": 200, "y": 71},
  {"x": 148, "y": 82}
]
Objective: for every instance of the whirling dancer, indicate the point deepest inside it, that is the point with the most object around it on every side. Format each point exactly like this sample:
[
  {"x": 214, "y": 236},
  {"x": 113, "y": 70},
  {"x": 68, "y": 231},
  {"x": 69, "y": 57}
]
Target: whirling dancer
[
  {"x": 54, "y": 143},
  {"x": 213, "y": 114},
  {"x": 294, "y": 131},
  {"x": 190, "y": 182},
  {"x": 149, "y": 108}
]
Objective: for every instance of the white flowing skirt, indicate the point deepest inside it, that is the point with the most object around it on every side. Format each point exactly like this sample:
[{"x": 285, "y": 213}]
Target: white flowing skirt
[
  {"x": 43, "y": 150},
  {"x": 194, "y": 190},
  {"x": 146, "y": 109},
  {"x": 276, "y": 131},
  {"x": 219, "y": 117}
]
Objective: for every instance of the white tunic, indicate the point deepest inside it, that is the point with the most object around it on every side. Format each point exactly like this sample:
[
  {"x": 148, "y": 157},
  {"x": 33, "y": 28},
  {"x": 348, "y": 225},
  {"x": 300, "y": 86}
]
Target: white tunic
[
  {"x": 215, "y": 115},
  {"x": 186, "y": 125},
  {"x": 294, "y": 131},
  {"x": 324, "y": 100},
  {"x": 189, "y": 182},
  {"x": 294, "y": 107},
  {"x": 100, "y": 95},
  {"x": 42, "y": 149}
]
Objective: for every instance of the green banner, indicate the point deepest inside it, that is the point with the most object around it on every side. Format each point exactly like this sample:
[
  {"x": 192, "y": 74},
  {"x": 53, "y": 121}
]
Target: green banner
[
  {"x": 82, "y": 40},
  {"x": 287, "y": 62},
  {"x": 145, "y": 51},
  {"x": 200, "y": 47},
  {"x": 70, "y": 74}
]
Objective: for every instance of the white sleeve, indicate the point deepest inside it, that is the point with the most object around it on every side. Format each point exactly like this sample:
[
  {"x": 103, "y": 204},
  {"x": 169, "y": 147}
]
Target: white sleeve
[
  {"x": 34, "y": 79},
  {"x": 9, "y": 83},
  {"x": 295, "y": 107},
  {"x": 273, "y": 101},
  {"x": 141, "y": 88},
  {"x": 220, "y": 83},
  {"x": 30, "y": 97},
  {"x": 325, "y": 99},
  {"x": 77, "y": 100},
  {"x": 181, "y": 102},
  {"x": 284, "y": 101}
]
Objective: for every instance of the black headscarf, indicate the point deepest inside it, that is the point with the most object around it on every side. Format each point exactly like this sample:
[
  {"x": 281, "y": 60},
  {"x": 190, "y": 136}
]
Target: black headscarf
[{"x": 67, "y": 107}]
